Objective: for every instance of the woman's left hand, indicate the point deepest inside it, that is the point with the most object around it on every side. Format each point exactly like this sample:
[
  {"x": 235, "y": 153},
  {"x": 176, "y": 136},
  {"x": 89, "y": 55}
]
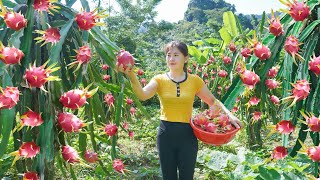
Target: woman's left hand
[{"x": 235, "y": 121}]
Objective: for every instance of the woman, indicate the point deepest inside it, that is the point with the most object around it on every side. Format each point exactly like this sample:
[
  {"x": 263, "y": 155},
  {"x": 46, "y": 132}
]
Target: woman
[{"x": 176, "y": 143}]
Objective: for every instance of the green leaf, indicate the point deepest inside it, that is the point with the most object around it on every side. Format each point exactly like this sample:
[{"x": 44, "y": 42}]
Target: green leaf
[
  {"x": 193, "y": 51},
  {"x": 262, "y": 22},
  {"x": 268, "y": 174},
  {"x": 229, "y": 22},
  {"x": 9, "y": 4},
  {"x": 224, "y": 34},
  {"x": 85, "y": 5},
  {"x": 308, "y": 30}
]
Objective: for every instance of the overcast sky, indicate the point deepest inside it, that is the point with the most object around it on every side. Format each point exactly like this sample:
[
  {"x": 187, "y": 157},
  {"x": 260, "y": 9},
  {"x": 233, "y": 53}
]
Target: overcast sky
[{"x": 173, "y": 10}]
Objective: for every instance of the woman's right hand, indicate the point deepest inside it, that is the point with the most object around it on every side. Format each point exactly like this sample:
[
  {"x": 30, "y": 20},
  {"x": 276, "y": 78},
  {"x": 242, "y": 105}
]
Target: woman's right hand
[{"x": 126, "y": 71}]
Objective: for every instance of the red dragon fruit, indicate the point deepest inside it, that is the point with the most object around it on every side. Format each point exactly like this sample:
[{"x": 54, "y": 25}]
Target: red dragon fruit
[
  {"x": 291, "y": 45},
  {"x": 275, "y": 26},
  {"x": 30, "y": 176},
  {"x": 76, "y": 98},
  {"x": 274, "y": 99},
  {"x": 133, "y": 111},
  {"x": 87, "y": 20},
  {"x": 312, "y": 121},
  {"x": 299, "y": 11},
  {"x": 285, "y": 127},
  {"x": 256, "y": 115},
  {"x": 249, "y": 78},
  {"x": 300, "y": 91},
  {"x": 9, "y": 97},
  {"x": 272, "y": 73},
  {"x": 105, "y": 66},
  {"x": 129, "y": 101},
  {"x": 118, "y": 165},
  {"x": 31, "y": 119},
  {"x": 110, "y": 129},
  {"x": 109, "y": 99},
  {"x": 200, "y": 120},
  {"x": 272, "y": 84},
  {"x": 126, "y": 59},
  {"x": 211, "y": 127},
  {"x": 143, "y": 81},
  {"x": 261, "y": 51},
  {"x": 38, "y": 76},
  {"x": 279, "y": 152},
  {"x": 90, "y": 156},
  {"x": 69, "y": 154},
  {"x": 14, "y": 20},
  {"x": 226, "y": 60},
  {"x": 106, "y": 77},
  {"x": 10, "y": 55},
  {"x": 314, "y": 153},
  {"x": 246, "y": 52},
  {"x": 314, "y": 65},
  {"x": 51, "y": 35},
  {"x": 232, "y": 47},
  {"x": 140, "y": 72},
  {"x": 45, "y": 5},
  {"x": 222, "y": 73},
  {"x": 26, "y": 150},
  {"x": 83, "y": 56},
  {"x": 69, "y": 122},
  {"x": 254, "y": 101}
]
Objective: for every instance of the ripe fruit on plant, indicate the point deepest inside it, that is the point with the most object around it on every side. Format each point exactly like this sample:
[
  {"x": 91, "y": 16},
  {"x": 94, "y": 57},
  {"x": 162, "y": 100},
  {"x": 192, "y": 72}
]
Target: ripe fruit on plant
[
  {"x": 129, "y": 101},
  {"x": 109, "y": 99},
  {"x": 272, "y": 73},
  {"x": 232, "y": 47},
  {"x": 143, "y": 81},
  {"x": 279, "y": 152},
  {"x": 69, "y": 122},
  {"x": 253, "y": 101},
  {"x": 26, "y": 150},
  {"x": 91, "y": 156},
  {"x": 10, "y": 55},
  {"x": 272, "y": 84},
  {"x": 140, "y": 72},
  {"x": 300, "y": 91},
  {"x": 275, "y": 26},
  {"x": 314, "y": 65},
  {"x": 132, "y": 111},
  {"x": 274, "y": 99},
  {"x": 291, "y": 45},
  {"x": 69, "y": 154},
  {"x": 314, "y": 153},
  {"x": 118, "y": 165},
  {"x": 299, "y": 11},
  {"x": 110, "y": 129},
  {"x": 246, "y": 52},
  {"x": 249, "y": 78},
  {"x": 45, "y": 5},
  {"x": 30, "y": 176},
  {"x": 9, "y": 97},
  {"x": 261, "y": 51},
  {"x": 29, "y": 118},
  {"x": 106, "y": 77},
  {"x": 226, "y": 60},
  {"x": 285, "y": 127},
  {"x": 14, "y": 20},
  {"x": 83, "y": 57},
  {"x": 222, "y": 73},
  {"x": 126, "y": 59},
  {"x": 38, "y": 76},
  {"x": 51, "y": 35},
  {"x": 87, "y": 20},
  {"x": 76, "y": 98},
  {"x": 312, "y": 121}
]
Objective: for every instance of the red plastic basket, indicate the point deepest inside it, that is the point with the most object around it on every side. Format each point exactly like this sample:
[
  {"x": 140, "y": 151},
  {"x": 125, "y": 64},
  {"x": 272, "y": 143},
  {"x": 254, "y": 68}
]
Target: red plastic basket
[{"x": 216, "y": 139}]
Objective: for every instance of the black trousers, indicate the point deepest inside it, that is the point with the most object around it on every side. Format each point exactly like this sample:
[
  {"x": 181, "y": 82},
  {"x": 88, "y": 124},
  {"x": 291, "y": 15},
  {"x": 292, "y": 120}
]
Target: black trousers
[{"x": 177, "y": 147}]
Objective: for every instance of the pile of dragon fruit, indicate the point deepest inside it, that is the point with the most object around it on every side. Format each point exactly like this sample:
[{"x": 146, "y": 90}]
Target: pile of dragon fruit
[{"x": 213, "y": 121}]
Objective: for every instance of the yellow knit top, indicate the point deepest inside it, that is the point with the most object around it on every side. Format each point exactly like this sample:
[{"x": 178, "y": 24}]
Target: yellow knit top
[{"x": 176, "y": 98}]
